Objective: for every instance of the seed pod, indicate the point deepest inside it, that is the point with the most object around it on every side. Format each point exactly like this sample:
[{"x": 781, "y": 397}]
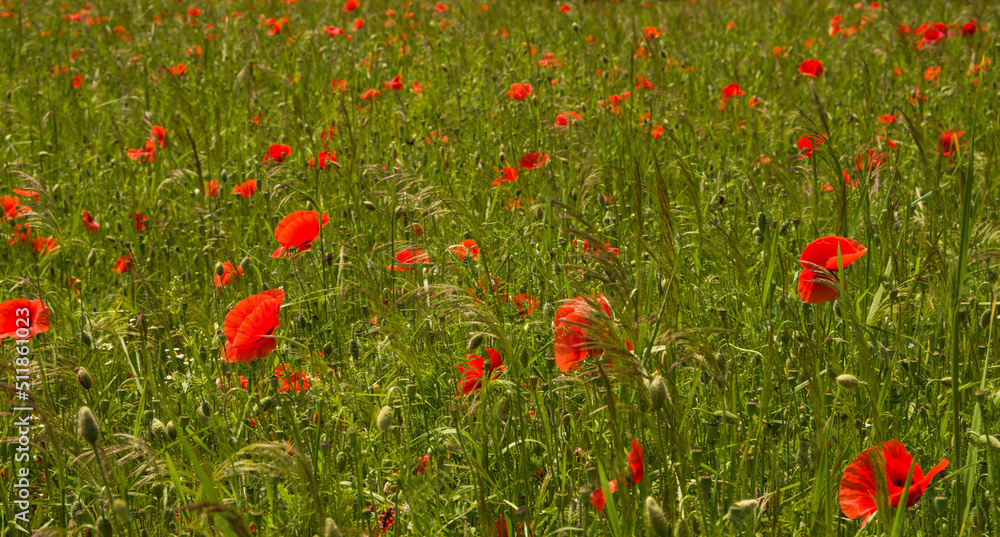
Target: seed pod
[
  {"x": 474, "y": 342},
  {"x": 87, "y": 425},
  {"x": 848, "y": 381},
  {"x": 92, "y": 257},
  {"x": 83, "y": 377},
  {"x": 384, "y": 419},
  {"x": 503, "y": 409},
  {"x": 331, "y": 529},
  {"x": 86, "y": 339},
  {"x": 121, "y": 510},
  {"x": 220, "y": 269},
  {"x": 657, "y": 393},
  {"x": 327, "y": 349},
  {"x": 104, "y": 527},
  {"x": 657, "y": 521}
]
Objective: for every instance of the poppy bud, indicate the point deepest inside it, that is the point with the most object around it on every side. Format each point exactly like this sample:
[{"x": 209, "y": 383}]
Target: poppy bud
[
  {"x": 657, "y": 393},
  {"x": 355, "y": 349},
  {"x": 341, "y": 461},
  {"x": 264, "y": 287},
  {"x": 474, "y": 342},
  {"x": 327, "y": 349},
  {"x": 275, "y": 382},
  {"x": 576, "y": 27},
  {"x": 121, "y": 510},
  {"x": 265, "y": 404},
  {"x": 946, "y": 381},
  {"x": 205, "y": 410},
  {"x": 104, "y": 528},
  {"x": 986, "y": 319},
  {"x": 740, "y": 510},
  {"x": 83, "y": 376},
  {"x": 503, "y": 409},
  {"x": 728, "y": 417},
  {"x": 86, "y": 339},
  {"x": 331, "y": 529},
  {"x": 848, "y": 381},
  {"x": 657, "y": 521},
  {"x": 224, "y": 176},
  {"x": 802, "y": 456},
  {"x": 157, "y": 428},
  {"x": 605, "y": 60},
  {"x": 219, "y": 269},
  {"x": 682, "y": 529},
  {"x": 384, "y": 419},
  {"x": 147, "y": 417},
  {"x": 501, "y": 158},
  {"x": 87, "y": 425},
  {"x": 92, "y": 257}
]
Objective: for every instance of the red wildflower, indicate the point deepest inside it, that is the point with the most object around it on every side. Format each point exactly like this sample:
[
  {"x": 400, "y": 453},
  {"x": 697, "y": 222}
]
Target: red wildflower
[
  {"x": 572, "y": 332},
  {"x": 333, "y": 31},
  {"x": 564, "y": 8},
  {"x": 31, "y": 194},
  {"x": 291, "y": 380},
  {"x": 394, "y": 84},
  {"x": 324, "y": 157},
  {"x": 519, "y": 91},
  {"x": 968, "y": 29},
  {"x": 475, "y": 369},
  {"x": 35, "y": 312},
  {"x": 948, "y": 142},
  {"x": 159, "y": 134},
  {"x": 123, "y": 264},
  {"x": 731, "y": 91},
  {"x": 12, "y": 207},
  {"x": 351, "y": 5},
  {"x": 816, "y": 288},
  {"x": 21, "y": 234},
  {"x": 178, "y": 70},
  {"x": 246, "y": 188},
  {"x": 858, "y": 485},
  {"x": 636, "y": 463},
  {"x": 297, "y": 231},
  {"x": 77, "y": 81},
  {"x": 408, "y": 259},
  {"x": 140, "y": 222},
  {"x": 642, "y": 83},
  {"x": 229, "y": 273},
  {"x": 808, "y": 143},
  {"x": 371, "y": 95},
  {"x": 525, "y": 304},
  {"x": 278, "y": 152},
  {"x": 250, "y": 326},
  {"x": 359, "y": 23},
  {"x": 211, "y": 188},
  {"x": 566, "y": 118},
  {"x": 466, "y": 249},
  {"x": 597, "y": 497},
  {"x": 656, "y": 132},
  {"x": 506, "y": 176},
  {"x": 651, "y": 32},
  {"x": 811, "y": 68},
  {"x": 146, "y": 154},
  {"x": 43, "y": 245},
  {"x": 531, "y": 161}
]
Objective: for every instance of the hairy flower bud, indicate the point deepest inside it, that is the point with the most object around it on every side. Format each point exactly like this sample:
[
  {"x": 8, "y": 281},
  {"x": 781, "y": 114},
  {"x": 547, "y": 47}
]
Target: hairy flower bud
[
  {"x": 331, "y": 529},
  {"x": 657, "y": 521},
  {"x": 384, "y": 419},
  {"x": 87, "y": 424},
  {"x": 848, "y": 381},
  {"x": 83, "y": 376},
  {"x": 657, "y": 393}
]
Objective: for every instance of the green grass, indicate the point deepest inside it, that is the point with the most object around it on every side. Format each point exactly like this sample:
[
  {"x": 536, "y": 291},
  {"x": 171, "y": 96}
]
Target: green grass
[{"x": 709, "y": 220}]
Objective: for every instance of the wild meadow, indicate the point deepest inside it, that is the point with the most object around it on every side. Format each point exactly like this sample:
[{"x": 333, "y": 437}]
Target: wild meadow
[{"x": 499, "y": 268}]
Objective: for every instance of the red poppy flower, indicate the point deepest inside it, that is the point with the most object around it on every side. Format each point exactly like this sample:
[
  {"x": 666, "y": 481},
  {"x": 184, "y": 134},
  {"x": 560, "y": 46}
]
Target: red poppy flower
[
  {"x": 394, "y": 84},
  {"x": 731, "y": 91},
  {"x": 572, "y": 335},
  {"x": 519, "y": 91},
  {"x": 416, "y": 89},
  {"x": 651, "y": 32},
  {"x": 371, "y": 95},
  {"x": 636, "y": 463},
  {"x": 421, "y": 466},
  {"x": 566, "y": 118},
  {"x": 475, "y": 369},
  {"x": 123, "y": 264},
  {"x": 351, "y": 5},
  {"x": 808, "y": 143},
  {"x": 466, "y": 249},
  {"x": 178, "y": 70},
  {"x": 875, "y": 160},
  {"x": 324, "y": 157},
  {"x": 140, "y": 222},
  {"x": 22, "y": 232},
  {"x": 14, "y": 313},
  {"x": 211, "y": 188},
  {"x": 297, "y": 231},
  {"x": 858, "y": 488},
  {"x": 12, "y": 207},
  {"x": 525, "y": 304},
  {"x": 43, "y": 245},
  {"x": 291, "y": 380},
  {"x": 968, "y": 29},
  {"x": 358, "y": 24},
  {"x": 597, "y": 497},
  {"x": 409, "y": 258},
  {"x": 246, "y": 188},
  {"x": 531, "y": 161},
  {"x": 333, "y": 31},
  {"x": 564, "y": 8},
  {"x": 278, "y": 152},
  {"x": 815, "y": 288},
  {"x": 656, "y": 132},
  {"x": 229, "y": 273},
  {"x": 250, "y": 325},
  {"x": 506, "y": 176},
  {"x": 77, "y": 81},
  {"x": 948, "y": 142},
  {"x": 642, "y": 83},
  {"x": 811, "y": 68},
  {"x": 146, "y": 154},
  {"x": 160, "y": 135},
  {"x": 31, "y": 194},
  {"x": 932, "y": 34}
]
